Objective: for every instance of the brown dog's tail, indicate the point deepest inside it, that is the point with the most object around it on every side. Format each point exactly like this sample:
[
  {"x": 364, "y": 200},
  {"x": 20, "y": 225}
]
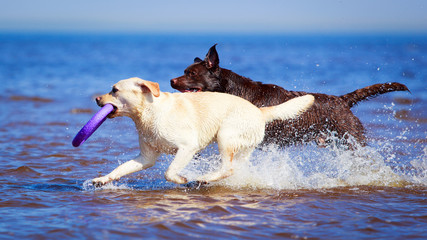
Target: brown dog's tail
[{"x": 372, "y": 91}]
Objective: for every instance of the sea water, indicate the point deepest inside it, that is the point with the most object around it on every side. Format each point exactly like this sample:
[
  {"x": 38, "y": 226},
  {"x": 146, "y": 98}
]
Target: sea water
[{"x": 49, "y": 82}]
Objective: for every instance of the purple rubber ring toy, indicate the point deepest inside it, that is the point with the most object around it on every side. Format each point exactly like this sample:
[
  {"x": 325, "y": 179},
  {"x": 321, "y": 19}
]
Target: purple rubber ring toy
[{"x": 92, "y": 125}]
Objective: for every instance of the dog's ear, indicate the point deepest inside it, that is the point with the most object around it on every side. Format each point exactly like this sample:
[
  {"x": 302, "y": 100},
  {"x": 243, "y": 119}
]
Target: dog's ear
[
  {"x": 152, "y": 87},
  {"x": 197, "y": 60},
  {"x": 212, "y": 59}
]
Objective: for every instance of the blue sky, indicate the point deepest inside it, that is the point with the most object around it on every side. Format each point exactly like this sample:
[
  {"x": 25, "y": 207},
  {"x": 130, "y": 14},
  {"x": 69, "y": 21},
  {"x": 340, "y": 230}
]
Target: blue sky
[{"x": 226, "y": 16}]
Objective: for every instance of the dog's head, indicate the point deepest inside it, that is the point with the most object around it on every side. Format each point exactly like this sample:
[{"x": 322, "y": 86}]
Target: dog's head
[
  {"x": 202, "y": 75},
  {"x": 129, "y": 96}
]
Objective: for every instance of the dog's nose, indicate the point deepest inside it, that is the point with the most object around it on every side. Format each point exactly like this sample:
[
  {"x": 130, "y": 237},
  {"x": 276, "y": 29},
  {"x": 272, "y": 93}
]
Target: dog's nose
[
  {"x": 97, "y": 99},
  {"x": 173, "y": 81}
]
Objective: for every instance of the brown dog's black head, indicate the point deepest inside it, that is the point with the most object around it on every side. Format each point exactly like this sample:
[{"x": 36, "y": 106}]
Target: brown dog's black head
[{"x": 202, "y": 75}]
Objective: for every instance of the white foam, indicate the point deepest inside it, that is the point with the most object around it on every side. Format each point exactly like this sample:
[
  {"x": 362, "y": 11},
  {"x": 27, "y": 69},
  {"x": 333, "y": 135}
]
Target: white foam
[
  {"x": 420, "y": 166},
  {"x": 310, "y": 167}
]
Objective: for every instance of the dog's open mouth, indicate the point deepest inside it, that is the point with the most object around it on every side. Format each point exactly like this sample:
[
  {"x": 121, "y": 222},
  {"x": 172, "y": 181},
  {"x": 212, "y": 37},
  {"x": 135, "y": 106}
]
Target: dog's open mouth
[{"x": 190, "y": 90}]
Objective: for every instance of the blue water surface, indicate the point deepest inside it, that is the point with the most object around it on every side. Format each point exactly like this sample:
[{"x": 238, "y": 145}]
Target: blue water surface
[{"x": 49, "y": 82}]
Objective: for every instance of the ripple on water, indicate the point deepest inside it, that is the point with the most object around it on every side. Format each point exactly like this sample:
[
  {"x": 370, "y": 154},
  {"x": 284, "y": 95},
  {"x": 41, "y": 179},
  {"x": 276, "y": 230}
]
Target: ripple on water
[
  {"x": 82, "y": 111},
  {"x": 53, "y": 187},
  {"x": 23, "y": 171},
  {"x": 22, "y": 203},
  {"x": 30, "y": 99}
]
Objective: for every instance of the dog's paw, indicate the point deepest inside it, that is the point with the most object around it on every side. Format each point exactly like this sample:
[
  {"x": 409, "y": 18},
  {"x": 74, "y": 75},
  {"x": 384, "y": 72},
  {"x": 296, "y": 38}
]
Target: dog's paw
[
  {"x": 176, "y": 178},
  {"x": 216, "y": 176},
  {"x": 101, "y": 181},
  {"x": 196, "y": 184}
]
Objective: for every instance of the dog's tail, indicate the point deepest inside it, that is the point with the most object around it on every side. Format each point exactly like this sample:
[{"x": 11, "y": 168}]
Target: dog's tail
[
  {"x": 372, "y": 91},
  {"x": 288, "y": 110}
]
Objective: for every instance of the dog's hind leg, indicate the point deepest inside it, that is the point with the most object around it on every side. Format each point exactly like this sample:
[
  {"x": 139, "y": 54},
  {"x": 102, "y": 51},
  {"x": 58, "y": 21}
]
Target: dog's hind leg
[
  {"x": 225, "y": 171},
  {"x": 182, "y": 158}
]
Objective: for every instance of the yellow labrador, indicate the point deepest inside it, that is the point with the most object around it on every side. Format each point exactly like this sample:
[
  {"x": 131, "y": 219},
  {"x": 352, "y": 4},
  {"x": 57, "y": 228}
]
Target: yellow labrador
[{"x": 185, "y": 123}]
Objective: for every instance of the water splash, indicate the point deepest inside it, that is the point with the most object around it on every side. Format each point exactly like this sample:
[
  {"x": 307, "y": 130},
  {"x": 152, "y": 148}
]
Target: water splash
[
  {"x": 88, "y": 186},
  {"x": 419, "y": 165},
  {"x": 310, "y": 167}
]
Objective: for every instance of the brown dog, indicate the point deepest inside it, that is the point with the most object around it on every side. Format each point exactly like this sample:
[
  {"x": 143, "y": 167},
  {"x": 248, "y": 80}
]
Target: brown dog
[{"x": 330, "y": 115}]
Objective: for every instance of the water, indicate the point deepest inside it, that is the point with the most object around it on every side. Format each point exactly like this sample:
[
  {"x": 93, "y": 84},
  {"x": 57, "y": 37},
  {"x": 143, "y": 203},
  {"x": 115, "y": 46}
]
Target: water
[{"x": 48, "y": 86}]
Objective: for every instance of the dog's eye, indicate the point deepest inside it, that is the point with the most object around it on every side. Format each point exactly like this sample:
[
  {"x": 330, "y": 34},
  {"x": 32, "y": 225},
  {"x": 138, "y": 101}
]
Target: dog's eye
[{"x": 114, "y": 90}]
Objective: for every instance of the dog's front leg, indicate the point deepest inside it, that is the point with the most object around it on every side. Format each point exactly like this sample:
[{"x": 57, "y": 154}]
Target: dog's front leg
[
  {"x": 143, "y": 161},
  {"x": 182, "y": 158}
]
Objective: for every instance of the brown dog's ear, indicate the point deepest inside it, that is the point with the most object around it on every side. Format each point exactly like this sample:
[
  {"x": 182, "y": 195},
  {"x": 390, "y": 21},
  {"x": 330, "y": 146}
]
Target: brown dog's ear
[
  {"x": 197, "y": 60},
  {"x": 212, "y": 58},
  {"x": 152, "y": 87}
]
